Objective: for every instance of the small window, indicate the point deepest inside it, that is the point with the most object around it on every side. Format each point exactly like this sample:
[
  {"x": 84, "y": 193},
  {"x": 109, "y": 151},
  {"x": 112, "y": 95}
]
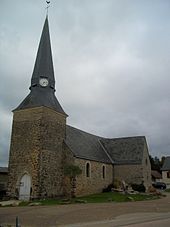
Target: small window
[
  {"x": 168, "y": 174},
  {"x": 103, "y": 172},
  {"x": 87, "y": 169}
]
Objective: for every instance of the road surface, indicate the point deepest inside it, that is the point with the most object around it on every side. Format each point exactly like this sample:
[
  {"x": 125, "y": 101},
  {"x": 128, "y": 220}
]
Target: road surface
[{"x": 148, "y": 213}]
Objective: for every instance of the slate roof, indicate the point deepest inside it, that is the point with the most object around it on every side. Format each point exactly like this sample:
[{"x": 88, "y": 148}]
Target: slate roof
[
  {"x": 39, "y": 97},
  {"x": 85, "y": 145},
  {"x": 155, "y": 174},
  {"x": 44, "y": 63},
  {"x": 116, "y": 151},
  {"x": 43, "y": 96},
  {"x": 166, "y": 165},
  {"x": 125, "y": 150}
]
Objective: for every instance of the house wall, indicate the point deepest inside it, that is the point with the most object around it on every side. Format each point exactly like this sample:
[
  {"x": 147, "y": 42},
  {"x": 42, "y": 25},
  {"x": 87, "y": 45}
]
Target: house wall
[
  {"x": 3, "y": 180},
  {"x": 95, "y": 182},
  {"x": 165, "y": 179}
]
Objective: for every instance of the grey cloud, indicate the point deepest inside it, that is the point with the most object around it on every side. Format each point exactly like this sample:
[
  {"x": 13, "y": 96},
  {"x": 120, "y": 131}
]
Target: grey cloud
[{"x": 111, "y": 62}]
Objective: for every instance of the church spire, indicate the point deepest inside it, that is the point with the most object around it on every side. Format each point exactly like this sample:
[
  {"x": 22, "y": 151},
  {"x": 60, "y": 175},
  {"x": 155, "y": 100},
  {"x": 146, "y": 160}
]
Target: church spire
[
  {"x": 43, "y": 81},
  {"x": 44, "y": 65}
]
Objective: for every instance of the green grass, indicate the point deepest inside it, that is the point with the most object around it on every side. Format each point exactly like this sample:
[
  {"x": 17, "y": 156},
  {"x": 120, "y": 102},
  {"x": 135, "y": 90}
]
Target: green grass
[
  {"x": 95, "y": 198},
  {"x": 167, "y": 190},
  {"x": 116, "y": 197}
]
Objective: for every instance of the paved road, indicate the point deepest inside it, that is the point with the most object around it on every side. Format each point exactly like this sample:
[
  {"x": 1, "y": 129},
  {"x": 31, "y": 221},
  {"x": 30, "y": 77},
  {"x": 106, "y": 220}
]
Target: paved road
[
  {"x": 133, "y": 220},
  {"x": 104, "y": 215}
]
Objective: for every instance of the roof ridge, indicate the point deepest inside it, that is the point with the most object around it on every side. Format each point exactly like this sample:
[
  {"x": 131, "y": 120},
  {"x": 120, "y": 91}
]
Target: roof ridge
[
  {"x": 106, "y": 152},
  {"x": 85, "y": 132},
  {"x": 101, "y": 137},
  {"x": 129, "y": 137}
]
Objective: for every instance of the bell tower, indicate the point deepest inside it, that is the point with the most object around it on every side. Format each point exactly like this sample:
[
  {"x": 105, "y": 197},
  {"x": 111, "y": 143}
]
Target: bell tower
[{"x": 38, "y": 132}]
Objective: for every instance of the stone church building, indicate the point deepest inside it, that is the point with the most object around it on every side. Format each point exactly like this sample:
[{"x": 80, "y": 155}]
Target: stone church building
[{"x": 42, "y": 144}]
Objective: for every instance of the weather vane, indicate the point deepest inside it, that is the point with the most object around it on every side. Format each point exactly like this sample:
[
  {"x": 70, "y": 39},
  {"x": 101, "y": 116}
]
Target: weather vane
[{"x": 48, "y": 5}]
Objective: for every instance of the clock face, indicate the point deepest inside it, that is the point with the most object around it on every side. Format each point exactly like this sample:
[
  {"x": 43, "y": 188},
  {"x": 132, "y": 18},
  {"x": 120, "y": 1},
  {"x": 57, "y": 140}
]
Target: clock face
[{"x": 43, "y": 82}]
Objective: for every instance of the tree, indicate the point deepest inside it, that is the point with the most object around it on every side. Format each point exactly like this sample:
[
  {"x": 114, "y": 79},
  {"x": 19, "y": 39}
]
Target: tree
[
  {"x": 156, "y": 164},
  {"x": 162, "y": 160},
  {"x": 72, "y": 171}
]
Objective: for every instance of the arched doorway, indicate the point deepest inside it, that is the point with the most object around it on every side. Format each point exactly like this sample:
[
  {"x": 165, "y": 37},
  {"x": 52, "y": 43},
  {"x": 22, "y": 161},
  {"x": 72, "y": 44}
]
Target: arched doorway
[{"x": 25, "y": 187}]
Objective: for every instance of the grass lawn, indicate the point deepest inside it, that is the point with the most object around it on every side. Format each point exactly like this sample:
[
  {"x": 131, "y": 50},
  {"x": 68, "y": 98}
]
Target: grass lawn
[
  {"x": 116, "y": 197},
  {"x": 167, "y": 190},
  {"x": 96, "y": 198}
]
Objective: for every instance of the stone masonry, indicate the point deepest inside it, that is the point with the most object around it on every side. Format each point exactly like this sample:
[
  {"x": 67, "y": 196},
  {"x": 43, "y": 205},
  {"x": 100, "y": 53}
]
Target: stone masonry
[
  {"x": 95, "y": 182},
  {"x": 87, "y": 185},
  {"x": 36, "y": 151},
  {"x": 135, "y": 173}
]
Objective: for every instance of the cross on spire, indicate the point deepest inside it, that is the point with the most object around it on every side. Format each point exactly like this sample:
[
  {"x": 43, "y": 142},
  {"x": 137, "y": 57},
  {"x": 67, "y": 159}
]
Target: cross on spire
[{"x": 48, "y": 5}]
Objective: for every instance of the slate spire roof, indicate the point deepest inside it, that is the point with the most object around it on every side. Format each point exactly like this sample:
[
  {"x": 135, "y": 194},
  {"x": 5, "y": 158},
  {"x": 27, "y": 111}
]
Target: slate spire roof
[
  {"x": 44, "y": 63},
  {"x": 43, "y": 71}
]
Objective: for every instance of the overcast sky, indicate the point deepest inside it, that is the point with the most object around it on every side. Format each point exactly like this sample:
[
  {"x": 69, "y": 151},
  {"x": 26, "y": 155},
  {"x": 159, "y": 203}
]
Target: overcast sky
[{"x": 111, "y": 61}]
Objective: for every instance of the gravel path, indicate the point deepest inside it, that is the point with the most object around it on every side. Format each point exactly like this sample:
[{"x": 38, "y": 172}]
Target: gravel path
[{"x": 59, "y": 215}]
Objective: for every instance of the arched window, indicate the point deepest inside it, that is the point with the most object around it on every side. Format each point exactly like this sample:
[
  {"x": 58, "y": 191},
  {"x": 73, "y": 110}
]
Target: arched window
[
  {"x": 87, "y": 169},
  {"x": 103, "y": 172}
]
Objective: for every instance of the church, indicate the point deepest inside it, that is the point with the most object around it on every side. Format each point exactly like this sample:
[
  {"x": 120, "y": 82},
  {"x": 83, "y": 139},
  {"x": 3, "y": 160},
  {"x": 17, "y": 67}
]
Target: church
[{"x": 42, "y": 144}]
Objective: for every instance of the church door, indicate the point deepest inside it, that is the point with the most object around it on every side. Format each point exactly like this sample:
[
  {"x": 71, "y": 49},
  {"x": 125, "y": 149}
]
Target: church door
[{"x": 25, "y": 187}]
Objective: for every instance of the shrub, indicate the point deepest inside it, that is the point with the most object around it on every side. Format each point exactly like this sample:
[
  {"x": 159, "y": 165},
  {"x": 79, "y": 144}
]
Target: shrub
[
  {"x": 151, "y": 189},
  {"x": 108, "y": 188},
  {"x": 138, "y": 187},
  {"x": 72, "y": 171},
  {"x": 117, "y": 183}
]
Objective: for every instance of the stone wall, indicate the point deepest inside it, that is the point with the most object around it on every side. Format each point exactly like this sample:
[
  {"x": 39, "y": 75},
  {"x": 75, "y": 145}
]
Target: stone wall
[
  {"x": 95, "y": 182},
  {"x": 68, "y": 159},
  {"x": 129, "y": 173},
  {"x": 165, "y": 179},
  {"x": 24, "y": 149},
  {"x": 135, "y": 173},
  {"x": 146, "y": 165},
  {"x": 36, "y": 149},
  {"x": 53, "y": 133}
]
